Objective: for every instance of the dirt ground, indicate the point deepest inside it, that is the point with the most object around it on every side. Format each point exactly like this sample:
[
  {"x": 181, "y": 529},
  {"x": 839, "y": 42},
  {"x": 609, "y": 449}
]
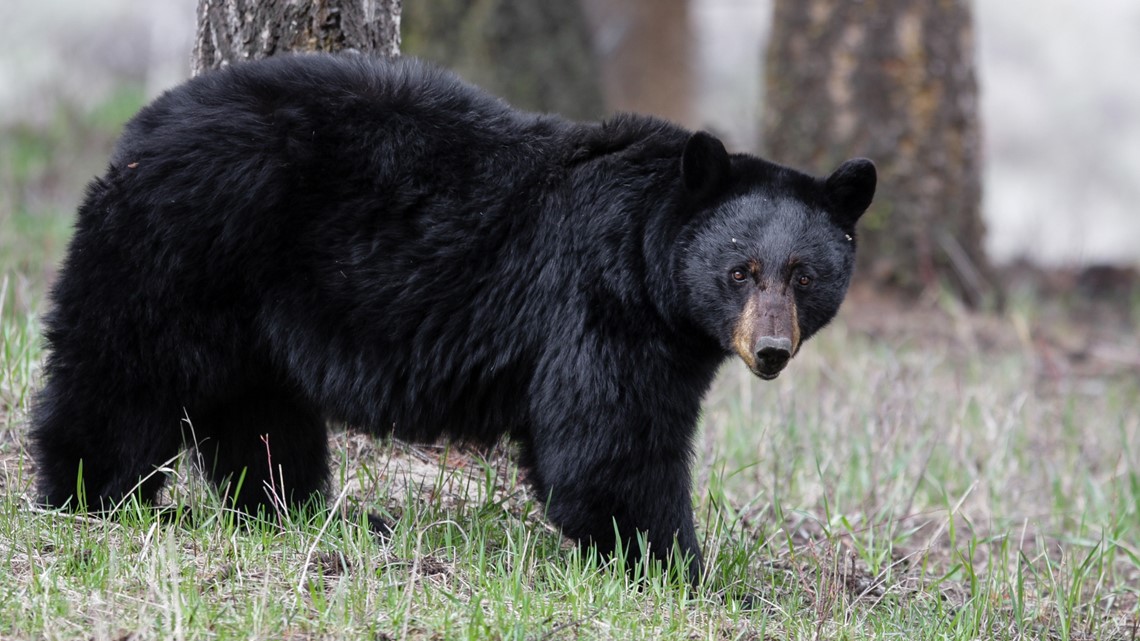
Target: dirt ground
[{"x": 1074, "y": 324}]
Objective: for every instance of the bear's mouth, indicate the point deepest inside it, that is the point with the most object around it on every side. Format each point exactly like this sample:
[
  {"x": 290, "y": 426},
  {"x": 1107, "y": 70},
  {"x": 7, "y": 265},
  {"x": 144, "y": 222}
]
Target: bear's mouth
[
  {"x": 767, "y": 371},
  {"x": 766, "y": 376}
]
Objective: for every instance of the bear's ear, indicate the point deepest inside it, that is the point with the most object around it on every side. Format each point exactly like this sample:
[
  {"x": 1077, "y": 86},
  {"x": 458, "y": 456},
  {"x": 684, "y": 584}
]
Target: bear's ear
[
  {"x": 849, "y": 190},
  {"x": 704, "y": 165}
]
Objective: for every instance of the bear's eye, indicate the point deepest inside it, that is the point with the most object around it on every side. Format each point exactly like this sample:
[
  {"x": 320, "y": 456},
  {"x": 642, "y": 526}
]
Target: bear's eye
[
  {"x": 804, "y": 280},
  {"x": 739, "y": 275}
]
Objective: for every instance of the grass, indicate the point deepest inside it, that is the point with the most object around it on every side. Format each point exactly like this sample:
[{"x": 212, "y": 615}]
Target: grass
[{"x": 917, "y": 473}]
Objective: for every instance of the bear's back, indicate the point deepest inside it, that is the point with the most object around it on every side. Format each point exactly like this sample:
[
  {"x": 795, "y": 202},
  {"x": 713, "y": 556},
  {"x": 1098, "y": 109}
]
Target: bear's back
[
  {"x": 318, "y": 121},
  {"x": 350, "y": 154}
]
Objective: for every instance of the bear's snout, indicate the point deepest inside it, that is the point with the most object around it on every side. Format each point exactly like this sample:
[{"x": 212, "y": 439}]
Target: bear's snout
[
  {"x": 772, "y": 354},
  {"x": 767, "y": 334}
]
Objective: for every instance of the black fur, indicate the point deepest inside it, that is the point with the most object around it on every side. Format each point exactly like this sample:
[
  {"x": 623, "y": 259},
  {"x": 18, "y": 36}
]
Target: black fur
[{"x": 301, "y": 240}]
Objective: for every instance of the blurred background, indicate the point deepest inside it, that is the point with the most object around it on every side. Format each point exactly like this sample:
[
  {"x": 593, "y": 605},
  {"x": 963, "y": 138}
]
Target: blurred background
[{"x": 1058, "y": 103}]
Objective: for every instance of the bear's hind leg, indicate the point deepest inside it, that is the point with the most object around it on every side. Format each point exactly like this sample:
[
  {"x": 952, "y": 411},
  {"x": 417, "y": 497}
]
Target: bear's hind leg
[
  {"x": 92, "y": 458},
  {"x": 274, "y": 444}
]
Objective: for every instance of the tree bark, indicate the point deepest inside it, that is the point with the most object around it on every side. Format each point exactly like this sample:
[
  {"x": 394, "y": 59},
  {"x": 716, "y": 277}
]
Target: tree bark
[
  {"x": 646, "y": 48},
  {"x": 893, "y": 80},
  {"x": 537, "y": 55},
  {"x": 234, "y": 30}
]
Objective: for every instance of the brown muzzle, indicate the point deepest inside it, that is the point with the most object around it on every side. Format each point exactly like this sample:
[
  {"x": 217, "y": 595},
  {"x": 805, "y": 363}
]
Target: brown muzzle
[{"x": 768, "y": 332}]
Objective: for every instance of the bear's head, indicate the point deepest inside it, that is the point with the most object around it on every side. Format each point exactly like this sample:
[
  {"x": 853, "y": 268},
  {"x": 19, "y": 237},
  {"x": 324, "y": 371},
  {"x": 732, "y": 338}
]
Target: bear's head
[{"x": 768, "y": 251}]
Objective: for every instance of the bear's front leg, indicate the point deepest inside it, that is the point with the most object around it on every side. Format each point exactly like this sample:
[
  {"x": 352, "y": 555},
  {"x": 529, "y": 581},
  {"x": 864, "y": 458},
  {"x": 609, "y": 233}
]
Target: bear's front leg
[{"x": 604, "y": 489}]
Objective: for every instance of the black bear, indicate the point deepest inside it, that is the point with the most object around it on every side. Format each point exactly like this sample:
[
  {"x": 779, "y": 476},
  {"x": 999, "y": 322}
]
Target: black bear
[{"x": 308, "y": 239}]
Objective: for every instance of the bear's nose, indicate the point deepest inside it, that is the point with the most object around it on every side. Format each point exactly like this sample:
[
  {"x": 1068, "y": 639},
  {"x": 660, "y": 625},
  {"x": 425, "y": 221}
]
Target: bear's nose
[{"x": 772, "y": 354}]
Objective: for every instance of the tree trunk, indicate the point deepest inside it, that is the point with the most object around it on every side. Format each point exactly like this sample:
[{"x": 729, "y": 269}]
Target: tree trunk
[
  {"x": 537, "y": 55},
  {"x": 646, "y": 48},
  {"x": 234, "y": 30},
  {"x": 892, "y": 80}
]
